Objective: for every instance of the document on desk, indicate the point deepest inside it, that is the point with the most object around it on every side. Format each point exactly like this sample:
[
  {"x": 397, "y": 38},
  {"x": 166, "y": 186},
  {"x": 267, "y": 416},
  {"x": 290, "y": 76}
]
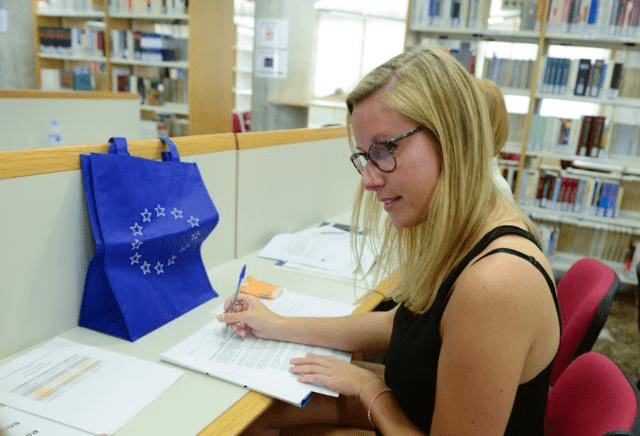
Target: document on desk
[
  {"x": 88, "y": 388},
  {"x": 325, "y": 248},
  {"x": 258, "y": 364},
  {"x": 14, "y": 422}
]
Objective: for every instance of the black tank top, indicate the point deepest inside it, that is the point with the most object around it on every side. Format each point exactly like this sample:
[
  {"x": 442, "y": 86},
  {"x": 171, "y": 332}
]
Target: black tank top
[{"x": 411, "y": 363}]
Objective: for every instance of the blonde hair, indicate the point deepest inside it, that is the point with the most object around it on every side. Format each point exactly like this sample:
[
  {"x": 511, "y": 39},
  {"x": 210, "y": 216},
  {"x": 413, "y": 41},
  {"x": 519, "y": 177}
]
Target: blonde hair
[
  {"x": 434, "y": 90},
  {"x": 497, "y": 112}
]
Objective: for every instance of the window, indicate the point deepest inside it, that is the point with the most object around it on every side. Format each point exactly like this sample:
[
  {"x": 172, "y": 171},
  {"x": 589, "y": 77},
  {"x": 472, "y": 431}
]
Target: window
[{"x": 352, "y": 38}]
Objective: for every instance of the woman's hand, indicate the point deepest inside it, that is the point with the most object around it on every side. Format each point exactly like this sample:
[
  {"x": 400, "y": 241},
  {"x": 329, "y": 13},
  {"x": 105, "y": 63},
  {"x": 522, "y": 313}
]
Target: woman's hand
[
  {"x": 332, "y": 373},
  {"x": 251, "y": 317}
]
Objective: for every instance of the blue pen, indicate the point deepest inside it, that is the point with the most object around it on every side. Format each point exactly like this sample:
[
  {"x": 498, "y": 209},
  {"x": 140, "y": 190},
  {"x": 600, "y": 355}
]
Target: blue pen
[{"x": 235, "y": 296}]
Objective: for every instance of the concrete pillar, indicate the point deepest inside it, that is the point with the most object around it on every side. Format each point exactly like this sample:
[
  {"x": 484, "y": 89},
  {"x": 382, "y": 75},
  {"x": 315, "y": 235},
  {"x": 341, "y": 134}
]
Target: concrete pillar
[{"x": 281, "y": 103}]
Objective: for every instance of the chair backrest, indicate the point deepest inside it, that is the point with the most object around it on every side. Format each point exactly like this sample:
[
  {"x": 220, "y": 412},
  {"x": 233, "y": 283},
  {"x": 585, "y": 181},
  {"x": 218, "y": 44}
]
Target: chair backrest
[
  {"x": 593, "y": 397},
  {"x": 585, "y": 293}
]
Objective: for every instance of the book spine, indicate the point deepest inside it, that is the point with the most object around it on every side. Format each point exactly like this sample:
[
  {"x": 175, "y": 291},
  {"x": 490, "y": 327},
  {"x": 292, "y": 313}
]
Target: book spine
[
  {"x": 583, "y": 139},
  {"x": 584, "y": 68},
  {"x": 595, "y": 136}
]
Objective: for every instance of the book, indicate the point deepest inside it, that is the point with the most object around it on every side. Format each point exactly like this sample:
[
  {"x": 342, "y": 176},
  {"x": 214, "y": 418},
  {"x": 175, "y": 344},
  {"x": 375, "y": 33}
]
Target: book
[
  {"x": 616, "y": 79},
  {"x": 258, "y": 364},
  {"x": 584, "y": 68},
  {"x": 583, "y": 139},
  {"x": 260, "y": 289},
  {"x": 594, "y": 143}
]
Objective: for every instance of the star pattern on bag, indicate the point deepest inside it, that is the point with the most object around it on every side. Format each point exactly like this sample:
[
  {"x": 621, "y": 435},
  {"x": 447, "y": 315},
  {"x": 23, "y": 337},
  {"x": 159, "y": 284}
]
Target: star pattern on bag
[
  {"x": 193, "y": 221},
  {"x": 146, "y": 268},
  {"x": 135, "y": 258},
  {"x": 137, "y": 229},
  {"x": 147, "y": 263},
  {"x": 146, "y": 216}
]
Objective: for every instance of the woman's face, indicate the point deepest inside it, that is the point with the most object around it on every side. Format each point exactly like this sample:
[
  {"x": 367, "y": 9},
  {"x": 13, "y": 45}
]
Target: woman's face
[{"x": 406, "y": 192}]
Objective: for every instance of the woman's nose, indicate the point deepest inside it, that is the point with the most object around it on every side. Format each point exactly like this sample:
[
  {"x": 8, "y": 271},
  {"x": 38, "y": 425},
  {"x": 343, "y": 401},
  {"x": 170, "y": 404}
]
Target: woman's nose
[{"x": 371, "y": 178}]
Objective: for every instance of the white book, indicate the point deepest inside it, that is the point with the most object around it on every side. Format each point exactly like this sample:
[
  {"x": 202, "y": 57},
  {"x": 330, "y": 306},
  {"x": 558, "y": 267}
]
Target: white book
[{"x": 258, "y": 364}]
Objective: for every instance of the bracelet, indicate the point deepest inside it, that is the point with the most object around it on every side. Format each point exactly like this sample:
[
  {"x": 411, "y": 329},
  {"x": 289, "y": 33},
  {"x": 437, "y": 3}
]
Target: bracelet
[{"x": 373, "y": 400}]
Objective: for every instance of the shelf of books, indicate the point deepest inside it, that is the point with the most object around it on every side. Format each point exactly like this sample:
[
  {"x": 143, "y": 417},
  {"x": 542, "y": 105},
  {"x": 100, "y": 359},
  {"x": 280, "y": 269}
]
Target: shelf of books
[
  {"x": 127, "y": 46},
  {"x": 573, "y": 154}
]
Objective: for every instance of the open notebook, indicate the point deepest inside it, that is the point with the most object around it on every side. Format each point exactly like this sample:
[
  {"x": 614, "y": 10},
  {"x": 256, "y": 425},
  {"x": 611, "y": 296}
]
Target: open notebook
[{"x": 258, "y": 364}]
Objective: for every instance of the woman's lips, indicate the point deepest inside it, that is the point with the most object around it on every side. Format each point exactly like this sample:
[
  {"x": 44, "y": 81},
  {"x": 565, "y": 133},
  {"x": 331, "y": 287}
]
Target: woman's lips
[{"x": 389, "y": 203}]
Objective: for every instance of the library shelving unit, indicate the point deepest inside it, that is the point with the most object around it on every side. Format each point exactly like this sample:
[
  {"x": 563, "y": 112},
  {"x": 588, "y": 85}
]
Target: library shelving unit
[
  {"x": 188, "y": 86},
  {"x": 587, "y": 203}
]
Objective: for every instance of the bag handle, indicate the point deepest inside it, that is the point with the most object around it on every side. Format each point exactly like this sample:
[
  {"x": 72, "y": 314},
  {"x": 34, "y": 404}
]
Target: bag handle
[
  {"x": 118, "y": 145},
  {"x": 171, "y": 155}
]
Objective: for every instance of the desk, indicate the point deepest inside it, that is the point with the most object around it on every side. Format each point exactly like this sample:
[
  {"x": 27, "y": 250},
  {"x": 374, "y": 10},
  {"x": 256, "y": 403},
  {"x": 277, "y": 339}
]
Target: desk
[{"x": 196, "y": 403}]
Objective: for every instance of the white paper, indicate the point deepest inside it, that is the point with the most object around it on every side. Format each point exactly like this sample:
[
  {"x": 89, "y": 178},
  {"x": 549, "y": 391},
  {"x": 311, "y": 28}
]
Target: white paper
[
  {"x": 272, "y": 33},
  {"x": 271, "y": 63},
  {"x": 4, "y": 20},
  {"x": 326, "y": 249},
  {"x": 81, "y": 386},
  {"x": 258, "y": 364},
  {"x": 14, "y": 422}
]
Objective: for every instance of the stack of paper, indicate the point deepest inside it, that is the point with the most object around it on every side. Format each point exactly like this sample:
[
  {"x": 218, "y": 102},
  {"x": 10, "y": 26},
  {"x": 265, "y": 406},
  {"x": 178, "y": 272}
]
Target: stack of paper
[
  {"x": 325, "y": 249},
  {"x": 80, "y": 386},
  {"x": 258, "y": 364}
]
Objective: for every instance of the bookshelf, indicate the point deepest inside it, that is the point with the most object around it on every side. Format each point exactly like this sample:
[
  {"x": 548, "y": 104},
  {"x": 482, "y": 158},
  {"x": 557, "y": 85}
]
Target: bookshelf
[
  {"x": 146, "y": 47},
  {"x": 585, "y": 200}
]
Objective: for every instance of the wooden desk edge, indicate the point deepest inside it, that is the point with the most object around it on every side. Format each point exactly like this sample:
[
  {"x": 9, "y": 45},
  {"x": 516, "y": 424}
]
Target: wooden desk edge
[{"x": 252, "y": 404}]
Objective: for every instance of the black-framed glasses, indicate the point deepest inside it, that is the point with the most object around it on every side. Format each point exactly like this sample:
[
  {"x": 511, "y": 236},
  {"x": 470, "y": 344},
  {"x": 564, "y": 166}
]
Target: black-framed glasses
[{"x": 382, "y": 153}]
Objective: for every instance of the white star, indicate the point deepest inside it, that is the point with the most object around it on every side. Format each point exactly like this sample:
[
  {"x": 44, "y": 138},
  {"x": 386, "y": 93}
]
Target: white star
[
  {"x": 177, "y": 213},
  {"x": 171, "y": 260},
  {"x": 158, "y": 268},
  {"x": 159, "y": 210},
  {"x": 146, "y": 216},
  {"x": 135, "y": 258},
  {"x": 193, "y": 221},
  {"x": 146, "y": 268},
  {"x": 137, "y": 229},
  {"x": 195, "y": 235},
  {"x": 183, "y": 249},
  {"x": 136, "y": 244}
]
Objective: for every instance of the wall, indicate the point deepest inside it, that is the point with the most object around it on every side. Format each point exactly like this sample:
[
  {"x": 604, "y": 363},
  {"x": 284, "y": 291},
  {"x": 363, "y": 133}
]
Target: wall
[{"x": 16, "y": 46}]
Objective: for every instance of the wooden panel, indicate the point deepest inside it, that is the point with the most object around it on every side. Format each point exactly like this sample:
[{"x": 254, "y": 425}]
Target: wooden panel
[
  {"x": 50, "y": 160},
  {"x": 251, "y": 140},
  {"x": 211, "y": 64},
  {"x": 36, "y": 93}
]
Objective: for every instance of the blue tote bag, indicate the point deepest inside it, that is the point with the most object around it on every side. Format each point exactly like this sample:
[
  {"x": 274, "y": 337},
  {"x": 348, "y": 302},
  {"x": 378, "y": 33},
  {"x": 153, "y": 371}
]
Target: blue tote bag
[{"x": 148, "y": 219}]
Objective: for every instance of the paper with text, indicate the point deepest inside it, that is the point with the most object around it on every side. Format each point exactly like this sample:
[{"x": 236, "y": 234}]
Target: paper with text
[
  {"x": 325, "y": 248},
  {"x": 14, "y": 422},
  {"x": 76, "y": 385},
  {"x": 258, "y": 364}
]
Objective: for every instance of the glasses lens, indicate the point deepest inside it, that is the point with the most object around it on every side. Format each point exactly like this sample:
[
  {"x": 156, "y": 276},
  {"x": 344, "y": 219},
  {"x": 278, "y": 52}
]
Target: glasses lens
[{"x": 382, "y": 157}]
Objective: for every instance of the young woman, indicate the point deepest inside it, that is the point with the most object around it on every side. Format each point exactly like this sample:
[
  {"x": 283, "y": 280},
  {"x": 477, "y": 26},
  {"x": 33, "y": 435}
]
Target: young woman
[{"x": 470, "y": 343}]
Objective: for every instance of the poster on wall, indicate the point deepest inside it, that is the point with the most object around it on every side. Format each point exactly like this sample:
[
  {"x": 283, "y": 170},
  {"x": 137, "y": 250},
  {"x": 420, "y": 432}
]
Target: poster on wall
[
  {"x": 271, "y": 48},
  {"x": 3, "y": 20}
]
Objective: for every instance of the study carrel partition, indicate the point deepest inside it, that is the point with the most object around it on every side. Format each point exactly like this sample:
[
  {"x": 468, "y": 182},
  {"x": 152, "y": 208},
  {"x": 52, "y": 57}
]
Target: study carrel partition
[
  {"x": 46, "y": 238},
  {"x": 290, "y": 180}
]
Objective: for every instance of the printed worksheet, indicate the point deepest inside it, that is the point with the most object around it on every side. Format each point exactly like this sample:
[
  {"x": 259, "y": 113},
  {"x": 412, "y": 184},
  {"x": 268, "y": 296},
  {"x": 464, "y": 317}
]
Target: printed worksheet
[
  {"x": 258, "y": 364},
  {"x": 76, "y": 385}
]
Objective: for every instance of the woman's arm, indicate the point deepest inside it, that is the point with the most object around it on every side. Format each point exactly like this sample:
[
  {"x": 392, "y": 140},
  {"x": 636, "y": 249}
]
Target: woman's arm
[
  {"x": 498, "y": 331},
  {"x": 366, "y": 332}
]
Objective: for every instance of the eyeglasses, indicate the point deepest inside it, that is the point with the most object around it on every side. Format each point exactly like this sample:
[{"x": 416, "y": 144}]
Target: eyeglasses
[{"x": 381, "y": 154}]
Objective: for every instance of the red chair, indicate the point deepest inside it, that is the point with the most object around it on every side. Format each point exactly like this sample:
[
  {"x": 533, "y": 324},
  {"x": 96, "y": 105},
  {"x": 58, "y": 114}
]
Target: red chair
[
  {"x": 585, "y": 293},
  {"x": 593, "y": 397}
]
